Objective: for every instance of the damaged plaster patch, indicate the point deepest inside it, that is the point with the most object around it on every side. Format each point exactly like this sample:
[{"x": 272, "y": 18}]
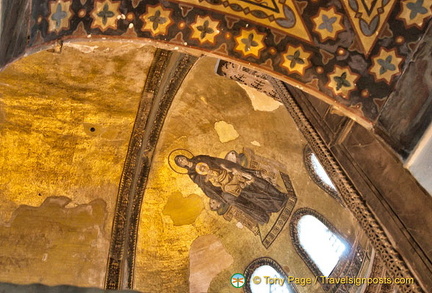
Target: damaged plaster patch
[
  {"x": 207, "y": 258},
  {"x": 55, "y": 244},
  {"x": 260, "y": 101},
  {"x": 225, "y": 131},
  {"x": 82, "y": 48},
  {"x": 183, "y": 210}
]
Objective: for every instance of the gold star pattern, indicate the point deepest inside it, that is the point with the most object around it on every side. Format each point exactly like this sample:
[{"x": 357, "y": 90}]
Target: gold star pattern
[
  {"x": 250, "y": 42},
  {"x": 385, "y": 65},
  {"x": 415, "y": 12},
  {"x": 157, "y": 20},
  {"x": 60, "y": 13},
  {"x": 283, "y": 16},
  {"x": 342, "y": 81},
  {"x": 205, "y": 29},
  {"x": 296, "y": 59},
  {"x": 328, "y": 23},
  {"x": 105, "y": 14}
]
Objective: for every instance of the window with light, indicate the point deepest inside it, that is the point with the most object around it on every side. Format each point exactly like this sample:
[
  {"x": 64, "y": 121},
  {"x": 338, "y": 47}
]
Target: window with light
[
  {"x": 322, "y": 245},
  {"x": 266, "y": 275}
]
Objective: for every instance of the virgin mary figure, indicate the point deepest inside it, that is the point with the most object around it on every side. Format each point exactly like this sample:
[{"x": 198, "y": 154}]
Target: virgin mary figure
[{"x": 231, "y": 184}]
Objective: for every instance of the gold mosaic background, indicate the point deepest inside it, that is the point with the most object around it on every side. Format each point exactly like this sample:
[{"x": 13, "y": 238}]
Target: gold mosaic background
[
  {"x": 66, "y": 120},
  {"x": 66, "y": 123}
]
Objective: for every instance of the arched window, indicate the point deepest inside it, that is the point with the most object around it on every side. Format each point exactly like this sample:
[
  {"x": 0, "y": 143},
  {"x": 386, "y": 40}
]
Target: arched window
[
  {"x": 322, "y": 245},
  {"x": 317, "y": 242},
  {"x": 266, "y": 275},
  {"x": 318, "y": 174}
]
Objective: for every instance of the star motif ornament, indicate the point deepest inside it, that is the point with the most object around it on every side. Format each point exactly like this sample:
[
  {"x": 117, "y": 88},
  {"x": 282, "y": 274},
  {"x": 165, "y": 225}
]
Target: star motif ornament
[
  {"x": 59, "y": 16},
  {"x": 105, "y": 14},
  {"x": 250, "y": 43},
  {"x": 296, "y": 59},
  {"x": 157, "y": 20},
  {"x": 205, "y": 29},
  {"x": 386, "y": 65},
  {"x": 328, "y": 23},
  {"x": 342, "y": 81},
  {"x": 415, "y": 12}
]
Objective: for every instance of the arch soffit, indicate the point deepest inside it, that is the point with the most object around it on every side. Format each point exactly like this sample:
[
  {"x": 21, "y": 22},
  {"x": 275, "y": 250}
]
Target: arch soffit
[{"x": 349, "y": 62}]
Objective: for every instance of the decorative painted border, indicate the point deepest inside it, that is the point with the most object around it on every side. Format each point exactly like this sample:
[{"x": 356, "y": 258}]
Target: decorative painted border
[
  {"x": 120, "y": 222},
  {"x": 284, "y": 215},
  {"x": 338, "y": 70},
  {"x": 154, "y": 105}
]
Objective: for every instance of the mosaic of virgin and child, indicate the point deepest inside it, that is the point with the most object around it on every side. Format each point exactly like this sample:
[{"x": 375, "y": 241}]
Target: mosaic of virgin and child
[{"x": 229, "y": 184}]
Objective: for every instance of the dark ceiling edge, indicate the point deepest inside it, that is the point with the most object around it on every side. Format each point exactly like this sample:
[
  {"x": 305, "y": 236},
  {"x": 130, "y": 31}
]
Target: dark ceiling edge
[
  {"x": 14, "y": 32},
  {"x": 408, "y": 111}
]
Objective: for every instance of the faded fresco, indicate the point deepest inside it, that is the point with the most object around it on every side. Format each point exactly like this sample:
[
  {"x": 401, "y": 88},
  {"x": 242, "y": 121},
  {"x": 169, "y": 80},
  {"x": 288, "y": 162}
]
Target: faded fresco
[
  {"x": 236, "y": 187},
  {"x": 227, "y": 175}
]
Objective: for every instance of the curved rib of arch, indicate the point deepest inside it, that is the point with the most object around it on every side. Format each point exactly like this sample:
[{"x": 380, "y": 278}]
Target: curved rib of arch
[{"x": 165, "y": 76}]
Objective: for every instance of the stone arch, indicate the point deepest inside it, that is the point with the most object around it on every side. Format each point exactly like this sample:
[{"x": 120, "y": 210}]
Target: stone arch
[{"x": 287, "y": 40}]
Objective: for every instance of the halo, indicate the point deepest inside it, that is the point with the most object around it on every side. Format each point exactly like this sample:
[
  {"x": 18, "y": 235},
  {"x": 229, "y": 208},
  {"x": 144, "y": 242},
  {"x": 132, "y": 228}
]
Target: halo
[{"x": 173, "y": 165}]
